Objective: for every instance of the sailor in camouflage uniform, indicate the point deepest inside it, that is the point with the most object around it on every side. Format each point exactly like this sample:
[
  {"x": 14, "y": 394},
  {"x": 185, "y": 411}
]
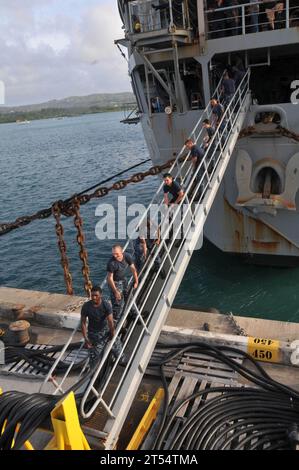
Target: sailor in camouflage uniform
[
  {"x": 100, "y": 329},
  {"x": 117, "y": 282}
]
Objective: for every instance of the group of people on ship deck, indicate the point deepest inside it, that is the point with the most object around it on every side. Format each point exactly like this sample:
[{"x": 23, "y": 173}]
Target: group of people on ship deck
[
  {"x": 223, "y": 17},
  {"x": 260, "y": 15}
]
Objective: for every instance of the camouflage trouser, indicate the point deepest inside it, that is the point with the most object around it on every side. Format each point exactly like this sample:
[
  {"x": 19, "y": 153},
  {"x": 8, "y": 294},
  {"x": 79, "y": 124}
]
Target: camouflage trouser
[
  {"x": 99, "y": 342},
  {"x": 227, "y": 99},
  {"x": 139, "y": 257},
  {"x": 118, "y": 305},
  {"x": 197, "y": 179}
]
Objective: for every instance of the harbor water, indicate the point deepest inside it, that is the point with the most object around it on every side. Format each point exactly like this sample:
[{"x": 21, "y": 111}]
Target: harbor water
[{"x": 44, "y": 161}]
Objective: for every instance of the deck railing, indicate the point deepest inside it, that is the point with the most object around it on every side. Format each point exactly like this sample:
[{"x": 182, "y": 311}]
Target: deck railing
[
  {"x": 251, "y": 18},
  {"x": 150, "y": 15}
]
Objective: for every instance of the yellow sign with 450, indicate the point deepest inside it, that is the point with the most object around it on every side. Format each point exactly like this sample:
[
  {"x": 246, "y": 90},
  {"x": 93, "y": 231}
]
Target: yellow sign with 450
[{"x": 263, "y": 349}]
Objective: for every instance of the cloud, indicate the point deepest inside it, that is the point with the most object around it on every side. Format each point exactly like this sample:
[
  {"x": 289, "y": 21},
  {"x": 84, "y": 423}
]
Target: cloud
[{"x": 48, "y": 52}]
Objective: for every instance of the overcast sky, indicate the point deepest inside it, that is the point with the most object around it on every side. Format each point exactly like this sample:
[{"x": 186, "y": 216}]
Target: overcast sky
[{"x": 51, "y": 49}]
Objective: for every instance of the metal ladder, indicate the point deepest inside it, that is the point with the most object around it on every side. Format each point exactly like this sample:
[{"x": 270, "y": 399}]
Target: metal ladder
[{"x": 154, "y": 296}]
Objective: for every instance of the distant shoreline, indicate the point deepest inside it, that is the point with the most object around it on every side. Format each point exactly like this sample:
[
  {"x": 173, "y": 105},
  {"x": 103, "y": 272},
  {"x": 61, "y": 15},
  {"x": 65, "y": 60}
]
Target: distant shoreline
[{"x": 19, "y": 117}]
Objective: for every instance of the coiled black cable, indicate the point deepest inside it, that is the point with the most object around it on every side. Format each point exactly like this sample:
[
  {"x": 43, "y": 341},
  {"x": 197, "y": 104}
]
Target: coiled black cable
[
  {"x": 248, "y": 417},
  {"x": 237, "y": 418},
  {"x": 39, "y": 359},
  {"x": 21, "y": 413},
  {"x": 27, "y": 412}
]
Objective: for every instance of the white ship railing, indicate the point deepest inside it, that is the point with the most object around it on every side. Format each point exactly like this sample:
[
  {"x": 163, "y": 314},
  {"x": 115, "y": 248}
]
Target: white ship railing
[
  {"x": 243, "y": 20},
  {"x": 58, "y": 382},
  {"x": 143, "y": 13},
  {"x": 117, "y": 390},
  {"x": 198, "y": 185}
]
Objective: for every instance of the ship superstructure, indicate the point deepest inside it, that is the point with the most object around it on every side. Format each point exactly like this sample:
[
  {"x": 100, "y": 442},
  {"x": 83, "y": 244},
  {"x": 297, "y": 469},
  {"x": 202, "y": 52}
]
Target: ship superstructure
[{"x": 177, "y": 53}]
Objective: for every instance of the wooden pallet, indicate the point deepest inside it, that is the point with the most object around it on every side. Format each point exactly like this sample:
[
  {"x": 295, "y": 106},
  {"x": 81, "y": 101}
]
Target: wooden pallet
[
  {"x": 193, "y": 372},
  {"x": 21, "y": 368}
]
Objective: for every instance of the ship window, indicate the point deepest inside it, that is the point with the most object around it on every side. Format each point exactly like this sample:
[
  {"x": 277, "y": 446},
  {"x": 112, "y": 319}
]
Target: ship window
[{"x": 267, "y": 182}]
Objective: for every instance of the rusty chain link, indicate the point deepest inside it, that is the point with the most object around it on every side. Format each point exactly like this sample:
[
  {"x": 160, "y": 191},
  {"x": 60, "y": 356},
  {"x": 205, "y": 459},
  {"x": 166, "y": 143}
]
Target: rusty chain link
[
  {"x": 287, "y": 133},
  {"x": 73, "y": 208},
  {"x": 66, "y": 207},
  {"x": 237, "y": 329},
  {"x": 78, "y": 222},
  {"x": 62, "y": 248},
  {"x": 250, "y": 130}
]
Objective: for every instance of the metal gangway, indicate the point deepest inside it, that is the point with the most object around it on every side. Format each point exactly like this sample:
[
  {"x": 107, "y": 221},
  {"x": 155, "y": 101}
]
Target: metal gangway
[{"x": 155, "y": 294}]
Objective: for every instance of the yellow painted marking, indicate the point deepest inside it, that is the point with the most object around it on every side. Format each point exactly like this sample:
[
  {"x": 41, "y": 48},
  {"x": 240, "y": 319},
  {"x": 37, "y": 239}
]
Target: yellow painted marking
[
  {"x": 262, "y": 349},
  {"x": 144, "y": 397},
  {"x": 28, "y": 445}
]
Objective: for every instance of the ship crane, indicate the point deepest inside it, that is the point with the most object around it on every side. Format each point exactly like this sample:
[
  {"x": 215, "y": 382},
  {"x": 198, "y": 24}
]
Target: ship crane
[{"x": 154, "y": 296}]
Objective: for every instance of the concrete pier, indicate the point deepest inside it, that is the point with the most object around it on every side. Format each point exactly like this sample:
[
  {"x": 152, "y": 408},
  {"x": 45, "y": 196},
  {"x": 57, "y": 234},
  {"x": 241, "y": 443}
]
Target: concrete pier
[
  {"x": 44, "y": 308},
  {"x": 63, "y": 311}
]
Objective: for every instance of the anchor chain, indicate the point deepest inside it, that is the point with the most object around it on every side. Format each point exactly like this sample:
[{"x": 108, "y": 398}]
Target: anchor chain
[
  {"x": 78, "y": 222},
  {"x": 62, "y": 248},
  {"x": 287, "y": 133},
  {"x": 76, "y": 306},
  {"x": 66, "y": 207},
  {"x": 236, "y": 327},
  {"x": 283, "y": 131}
]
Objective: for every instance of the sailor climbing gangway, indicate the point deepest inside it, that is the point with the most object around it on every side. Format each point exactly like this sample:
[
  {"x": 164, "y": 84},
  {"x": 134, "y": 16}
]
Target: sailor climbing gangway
[{"x": 154, "y": 296}]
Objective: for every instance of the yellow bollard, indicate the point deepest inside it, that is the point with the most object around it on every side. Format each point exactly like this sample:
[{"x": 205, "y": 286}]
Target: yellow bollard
[{"x": 68, "y": 434}]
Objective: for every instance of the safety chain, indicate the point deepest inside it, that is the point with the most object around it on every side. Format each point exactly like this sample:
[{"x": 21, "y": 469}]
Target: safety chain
[
  {"x": 67, "y": 209},
  {"x": 233, "y": 322},
  {"x": 75, "y": 307},
  {"x": 78, "y": 222},
  {"x": 287, "y": 133},
  {"x": 62, "y": 248},
  {"x": 247, "y": 131}
]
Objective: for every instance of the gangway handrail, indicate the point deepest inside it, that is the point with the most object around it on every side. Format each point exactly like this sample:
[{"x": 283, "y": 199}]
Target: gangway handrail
[
  {"x": 211, "y": 144},
  {"x": 206, "y": 113},
  {"x": 239, "y": 98},
  {"x": 58, "y": 359},
  {"x": 229, "y": 119}
]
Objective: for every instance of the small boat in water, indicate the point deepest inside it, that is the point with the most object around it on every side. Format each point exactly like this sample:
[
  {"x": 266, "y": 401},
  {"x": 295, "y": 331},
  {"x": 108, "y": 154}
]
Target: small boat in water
[{"x": 22, "y": 121}]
